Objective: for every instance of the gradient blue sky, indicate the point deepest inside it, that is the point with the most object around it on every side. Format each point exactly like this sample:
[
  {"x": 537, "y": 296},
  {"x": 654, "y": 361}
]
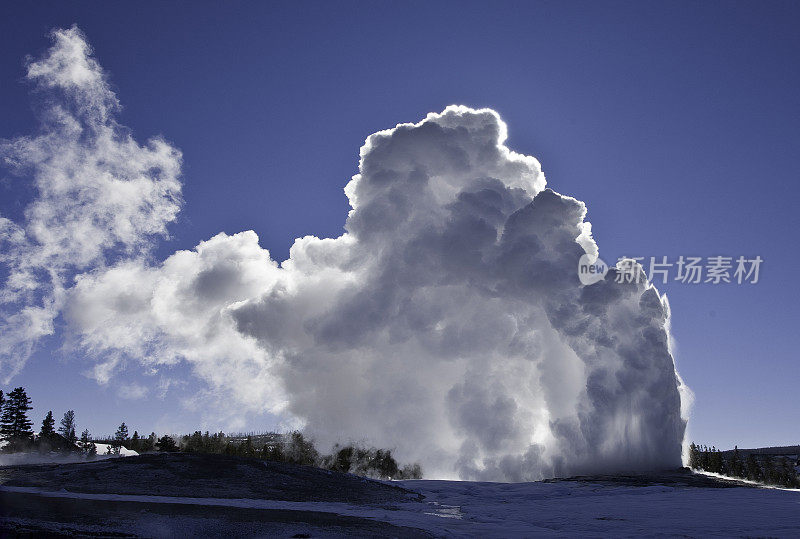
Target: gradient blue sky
[{"x": 678, "y": 123}]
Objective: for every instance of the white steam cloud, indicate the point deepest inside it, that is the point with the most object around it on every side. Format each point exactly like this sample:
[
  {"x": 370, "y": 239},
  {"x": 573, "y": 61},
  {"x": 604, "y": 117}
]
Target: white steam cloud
[{"x": 448, "y": 322}]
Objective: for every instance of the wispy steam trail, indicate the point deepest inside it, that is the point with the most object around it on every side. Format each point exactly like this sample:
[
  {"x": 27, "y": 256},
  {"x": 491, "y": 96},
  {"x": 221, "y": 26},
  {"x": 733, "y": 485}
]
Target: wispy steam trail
[
  {"x": 98, "y": 194},
  {"x": 448, "y": 321}
]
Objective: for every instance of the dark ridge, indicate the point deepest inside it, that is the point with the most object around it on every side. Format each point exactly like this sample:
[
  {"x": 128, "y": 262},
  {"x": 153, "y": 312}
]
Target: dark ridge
[
  {"x": 205, "y": 476},
  {"x": 778, "y": 450}
]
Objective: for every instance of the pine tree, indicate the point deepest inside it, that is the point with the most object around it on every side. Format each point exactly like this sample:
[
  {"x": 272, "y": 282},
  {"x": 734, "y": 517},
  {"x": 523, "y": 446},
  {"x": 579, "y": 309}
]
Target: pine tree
[
  {"x": 301, "y": 451},
  {"x": 48, "y": 425},
  {"x": 120, "y": 437},
  {"x": 411, "y": 471},
  {"x": 167, "y": 444},
  {"x": 770, "y": 472},
  {"x": 87, "y": 445},
  {"x": 385, "y": 464},
  {"x": 150, "y": 444},
  {"x": 716, "y": 460},
  {"x": 246, "y": 449},
  {"x": 752, "y": 469},
  {"x": 67, "y": 428},
  {"x": 14, "y": 423},
  {"x": 218, "y": 442},
  {"x": 274, "y": 451},
  {"x": 736, "y": 463},
  {"x": 86, "y": 439},
  {"x": 135, "y": 441}
]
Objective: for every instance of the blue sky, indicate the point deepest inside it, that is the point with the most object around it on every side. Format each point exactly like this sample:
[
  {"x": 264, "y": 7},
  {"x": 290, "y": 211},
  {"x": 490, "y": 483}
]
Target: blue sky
[{"x": 677, "y": 123}]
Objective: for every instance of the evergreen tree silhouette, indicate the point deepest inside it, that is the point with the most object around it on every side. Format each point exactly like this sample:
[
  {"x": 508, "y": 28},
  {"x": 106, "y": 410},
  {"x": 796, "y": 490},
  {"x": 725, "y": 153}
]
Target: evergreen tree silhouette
[
  {"x": 120, "y": 437},
  {"x": 67, "y": 428},
  {"x": 15, "y": 426},
  {"x": 48, "y": 426},
  {"x": 86, "y": 440},
  {"x": 135, "y": 441}
]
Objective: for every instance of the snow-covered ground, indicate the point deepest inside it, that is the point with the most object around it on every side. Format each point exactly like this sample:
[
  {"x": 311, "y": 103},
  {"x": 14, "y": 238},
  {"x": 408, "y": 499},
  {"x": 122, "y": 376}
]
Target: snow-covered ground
[
  {"x": 565, "y": 509},
  {"x": 104, "y": 449},
  {"x": 572, "y": 508}
]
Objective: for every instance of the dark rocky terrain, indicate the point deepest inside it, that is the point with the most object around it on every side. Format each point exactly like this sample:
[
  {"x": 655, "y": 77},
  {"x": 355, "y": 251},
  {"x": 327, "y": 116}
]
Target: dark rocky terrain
[
  {"x": 205, "y": 476},
  {"x": 189, "y": 476}
]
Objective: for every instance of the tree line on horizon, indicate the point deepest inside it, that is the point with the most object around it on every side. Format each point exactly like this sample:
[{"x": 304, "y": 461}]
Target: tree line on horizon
[
  {"x": 16, "y": 429},
  {"x": 766, "y": 469}
]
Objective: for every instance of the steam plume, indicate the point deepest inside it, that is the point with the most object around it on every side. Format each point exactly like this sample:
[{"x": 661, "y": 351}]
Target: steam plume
[{"x": 447, "y": 322}]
